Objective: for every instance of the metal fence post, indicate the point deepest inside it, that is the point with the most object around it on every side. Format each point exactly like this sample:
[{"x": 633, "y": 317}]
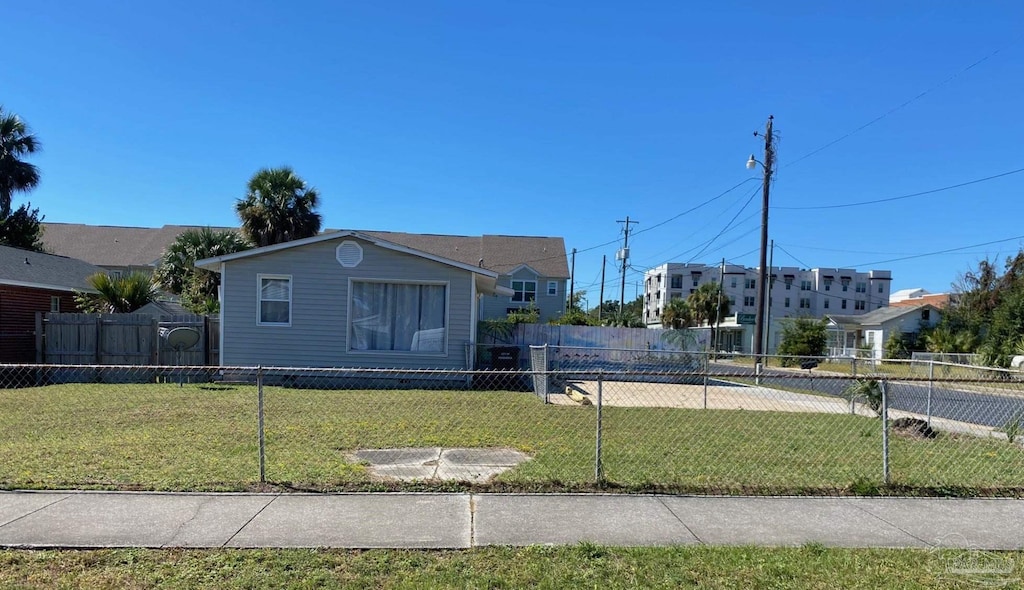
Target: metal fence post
[
  {"x": 931, "y": 384},
  {"x": 707, "y": 368},
  {"x": 885, "y": 434},
  {"x": 598, "y": 467},
  {"x": 259, "y": 414}
]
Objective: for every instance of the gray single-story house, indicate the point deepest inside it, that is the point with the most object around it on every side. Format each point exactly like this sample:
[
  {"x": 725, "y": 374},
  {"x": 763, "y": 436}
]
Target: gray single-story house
[
  {"x": 872, "y": 329},
  {"x": 349, "y": 299}
]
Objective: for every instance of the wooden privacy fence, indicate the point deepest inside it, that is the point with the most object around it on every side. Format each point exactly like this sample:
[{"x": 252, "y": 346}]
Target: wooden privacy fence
[{"x": 122, "y": 339}]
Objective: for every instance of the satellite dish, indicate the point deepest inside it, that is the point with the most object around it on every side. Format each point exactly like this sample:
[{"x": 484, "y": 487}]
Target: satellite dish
[{"x": 181, "y": 338}]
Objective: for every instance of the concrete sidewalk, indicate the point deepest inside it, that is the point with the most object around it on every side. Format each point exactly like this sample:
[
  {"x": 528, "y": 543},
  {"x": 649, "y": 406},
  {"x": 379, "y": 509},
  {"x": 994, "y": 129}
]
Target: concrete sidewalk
[{"x": 145, "y": 519}]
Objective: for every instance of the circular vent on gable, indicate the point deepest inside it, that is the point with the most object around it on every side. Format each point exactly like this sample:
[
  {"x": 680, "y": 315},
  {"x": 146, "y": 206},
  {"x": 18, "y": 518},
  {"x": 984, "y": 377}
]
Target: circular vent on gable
[{"x": 349, "y": 254}]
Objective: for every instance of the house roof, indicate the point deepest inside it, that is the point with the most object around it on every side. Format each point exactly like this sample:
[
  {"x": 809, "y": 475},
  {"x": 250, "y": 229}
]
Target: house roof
[
  {"x": 486, "y": 279},
  {"x": 138, "y": 246},
  {"x": 25, "y": 268},
  {"x": 880, "y": 315},
  {"x": 110, "y": 245}
]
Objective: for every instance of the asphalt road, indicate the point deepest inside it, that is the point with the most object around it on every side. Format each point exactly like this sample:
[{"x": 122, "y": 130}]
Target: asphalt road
[{"x": 947, "y": 400}]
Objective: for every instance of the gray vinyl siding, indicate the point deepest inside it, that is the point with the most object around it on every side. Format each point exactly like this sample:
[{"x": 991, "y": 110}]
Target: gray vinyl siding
[
  {"x": 550, "y": 306},
  {"x": 318, "y": 334}
]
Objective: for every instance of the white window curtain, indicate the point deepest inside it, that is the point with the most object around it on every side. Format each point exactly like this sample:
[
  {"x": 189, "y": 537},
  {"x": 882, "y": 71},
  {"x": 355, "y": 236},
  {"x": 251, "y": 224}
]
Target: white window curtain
[
  {"x": 397, "y": 317},
  {"x": 274, "y": 301}
]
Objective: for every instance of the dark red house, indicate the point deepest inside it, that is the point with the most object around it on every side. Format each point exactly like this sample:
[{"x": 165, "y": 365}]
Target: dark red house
[{"x": 33, "y": 282}]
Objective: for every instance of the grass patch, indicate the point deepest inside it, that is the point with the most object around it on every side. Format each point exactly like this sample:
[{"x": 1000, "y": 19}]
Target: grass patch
[
  {"x": 162, "y": 437},
  {"x": 580, "y": 566}
]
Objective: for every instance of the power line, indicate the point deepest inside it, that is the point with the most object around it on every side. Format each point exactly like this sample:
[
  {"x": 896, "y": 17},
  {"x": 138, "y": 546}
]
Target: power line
[
  {"x": 937, "y": 252},
  {"x": 727, "y": 225},
  {"x": 897, "y": 108},
  {"x": 901, "y": 197},
  {"x": 692, "y": 209}
]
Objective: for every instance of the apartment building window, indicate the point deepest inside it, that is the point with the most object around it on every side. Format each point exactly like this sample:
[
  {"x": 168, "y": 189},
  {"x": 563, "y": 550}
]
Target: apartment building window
[
  {"x": 732, "y": 300},
  {"x": 846, "y": 285},
  {"x": 789, "y": 283},
  {"x": 805, "y": 285},
  {"x": 748, "y": 300},
  {"x": 677, "y": 281},
  {"x": 749, "y": 283},
  {"x": 881, "y": 288},
  {"x": 844, "y": 304},
  {"x": 862, "y": 287},
  {"x": 858, "y": 305},
  {"x": 828, "y": 284},
  {"x": 826, "y": 304},
  {"x": 696, "y": 280},
  {"x": 785, "y": 303},
  {"x": 805, "y": 303},
  {"x": 733, "y": 282}
]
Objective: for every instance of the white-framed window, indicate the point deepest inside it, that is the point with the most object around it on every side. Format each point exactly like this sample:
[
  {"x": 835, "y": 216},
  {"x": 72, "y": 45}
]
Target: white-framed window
[
  {"x": 805, "y": 285},
  {"x": 748, "y": 300},
  {"x": 55, "y": 303},
  {"x": 789, "y": 283},
  {"x": 732, "y": 300},
  {"x": 805, "y": 303},
  {"x": 786, "y": 302},
  {"x": 526, "y": 290},
  {"x": 881, "y": 288},
  {"x": 858, "y": 305},
  {"x": 274, "y": 295},
  {"x": 552, "y": 287},
  {"x": 677, "y": 281},
  {"x": 844, "y": 304},
  {"x": 862, "y": 287},
  {"x": 749, "y": 283},
  {"x": 828, "y": 284},
  {"x": 846, "y": 285},
  {"x": 826, "y": 304},
  {"x": 391, "y": 316},
  {"x": 733, "y": 283}
]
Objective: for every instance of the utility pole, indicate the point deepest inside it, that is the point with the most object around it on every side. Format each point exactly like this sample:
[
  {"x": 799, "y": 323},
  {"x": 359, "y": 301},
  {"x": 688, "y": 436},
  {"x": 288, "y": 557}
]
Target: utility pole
[
  {"x": 769, "y": 160},
  {"x": 771, "y": 283},
  {"x": 600, "y": 303},
  {"x": 718, "y": 311},
  {"x": 572, "y": 280},
  {"x": 623, "y": 255}
]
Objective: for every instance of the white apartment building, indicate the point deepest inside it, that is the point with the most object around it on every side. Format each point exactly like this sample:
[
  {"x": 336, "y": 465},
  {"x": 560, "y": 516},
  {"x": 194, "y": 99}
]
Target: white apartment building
[{"x": 794, "y": 292}]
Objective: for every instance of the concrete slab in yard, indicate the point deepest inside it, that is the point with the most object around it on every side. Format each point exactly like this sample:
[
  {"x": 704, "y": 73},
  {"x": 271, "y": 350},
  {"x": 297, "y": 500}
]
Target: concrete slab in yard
[
  {"x": 785, "y": 522},
  {"x": 361, "y": 521},
  {"x": 15, "y": 505},
  {"x": 562, "y": 520},
  {"x": 474, "y": 465},
  {"x": 135, "y": 520},
  {"x": 978, "y": 523}
]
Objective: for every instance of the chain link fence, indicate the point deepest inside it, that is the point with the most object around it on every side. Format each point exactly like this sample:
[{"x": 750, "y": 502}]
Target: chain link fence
[{"x": 554, "y": 419}]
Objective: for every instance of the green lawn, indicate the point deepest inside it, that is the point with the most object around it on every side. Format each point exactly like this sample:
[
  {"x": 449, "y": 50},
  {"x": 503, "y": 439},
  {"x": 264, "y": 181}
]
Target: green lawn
[
  {"x": 163, "y": 437},
  {"x": 581, "y": 566}
]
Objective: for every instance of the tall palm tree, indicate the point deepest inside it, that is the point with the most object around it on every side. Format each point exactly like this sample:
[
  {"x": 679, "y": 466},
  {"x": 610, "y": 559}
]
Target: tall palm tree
[
  {"x": 16, "y": 175},
  {"x": 279, "y": 207},
  {"x": 177, "y": 272},
  {"x": 117, "y": 295},
  {"x": 707, "y": 304}
]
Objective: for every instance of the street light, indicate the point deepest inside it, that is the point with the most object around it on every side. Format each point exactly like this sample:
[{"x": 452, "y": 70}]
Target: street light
[{"x": 752, "y": 162}]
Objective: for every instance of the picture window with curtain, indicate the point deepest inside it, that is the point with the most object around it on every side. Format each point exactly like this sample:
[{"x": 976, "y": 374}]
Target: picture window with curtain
[
  {"x": 399, "y": 317},
  {"x": 275, "y": 300},
  {"x": 527, "y": 290}
]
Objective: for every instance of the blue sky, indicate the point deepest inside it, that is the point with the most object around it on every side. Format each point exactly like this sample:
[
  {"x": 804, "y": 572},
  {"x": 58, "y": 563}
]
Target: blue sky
[{"x": 543, "y": 118}]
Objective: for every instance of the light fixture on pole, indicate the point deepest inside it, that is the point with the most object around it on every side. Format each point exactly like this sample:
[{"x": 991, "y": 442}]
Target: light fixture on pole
[{"x": 762, "y": 270}]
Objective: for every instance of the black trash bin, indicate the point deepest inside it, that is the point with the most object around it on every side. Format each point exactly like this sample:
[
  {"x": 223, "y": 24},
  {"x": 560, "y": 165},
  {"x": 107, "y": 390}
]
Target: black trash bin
[{"x": 503, "y": 358}]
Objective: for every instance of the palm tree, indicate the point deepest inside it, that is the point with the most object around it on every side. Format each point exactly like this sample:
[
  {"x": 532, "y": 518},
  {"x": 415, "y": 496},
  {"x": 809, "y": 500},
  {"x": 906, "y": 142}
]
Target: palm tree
[
  {"x": 677, "y": 315},
  {"x": 870, "y": 390},
  {"x": 707, "y": 304},
  {"x": 278, "y": 208},
  {"x": 177, "y": 272},
  {"x": 15, "y": 175},
  {"x": 117, "y": 295}
]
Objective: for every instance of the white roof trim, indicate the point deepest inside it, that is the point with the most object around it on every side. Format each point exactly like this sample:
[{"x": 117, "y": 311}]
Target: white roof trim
[
  {"x": 214, "y": 263},
  {"x": 45, "y": 286},
  {"x": 521, "y": 267}
]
